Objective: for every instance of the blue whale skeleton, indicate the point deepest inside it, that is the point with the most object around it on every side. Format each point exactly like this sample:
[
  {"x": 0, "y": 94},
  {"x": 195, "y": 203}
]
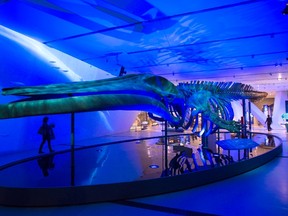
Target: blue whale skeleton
[{"x": 180, "y": 105}]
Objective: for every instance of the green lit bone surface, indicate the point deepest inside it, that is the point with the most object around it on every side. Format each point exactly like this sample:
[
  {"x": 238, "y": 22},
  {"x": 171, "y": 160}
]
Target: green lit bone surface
[
  {"x": 180, "y": 105},
  {"x": 132, "y": 92}
]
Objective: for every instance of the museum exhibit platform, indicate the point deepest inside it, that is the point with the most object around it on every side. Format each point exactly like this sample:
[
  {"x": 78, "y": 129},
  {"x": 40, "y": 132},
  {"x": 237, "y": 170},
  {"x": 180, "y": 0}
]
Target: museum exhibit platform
[{"x": 126, "y": 168}]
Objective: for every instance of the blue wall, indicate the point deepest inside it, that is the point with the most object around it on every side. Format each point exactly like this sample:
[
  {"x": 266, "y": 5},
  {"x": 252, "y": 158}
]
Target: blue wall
[{"x": 26, "y": 62}]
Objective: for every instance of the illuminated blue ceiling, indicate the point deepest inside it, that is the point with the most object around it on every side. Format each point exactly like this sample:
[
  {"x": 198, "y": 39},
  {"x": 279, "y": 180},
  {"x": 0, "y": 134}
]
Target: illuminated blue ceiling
[{"x": 227, "y": 40}]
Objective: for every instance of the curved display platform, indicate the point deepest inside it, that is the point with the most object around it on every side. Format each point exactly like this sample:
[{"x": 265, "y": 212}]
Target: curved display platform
[{"x": 35, "y": 194}]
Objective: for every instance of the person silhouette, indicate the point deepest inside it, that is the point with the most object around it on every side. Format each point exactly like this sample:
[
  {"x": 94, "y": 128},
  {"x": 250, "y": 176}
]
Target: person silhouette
[
  {"x": 47, "y": 134},
  {"x": 269, "y": 122},
  {"x": 174, "y": 165}
]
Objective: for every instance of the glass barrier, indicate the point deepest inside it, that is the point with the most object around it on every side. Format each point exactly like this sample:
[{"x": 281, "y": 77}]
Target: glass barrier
[{"x": 128, "y": 161}]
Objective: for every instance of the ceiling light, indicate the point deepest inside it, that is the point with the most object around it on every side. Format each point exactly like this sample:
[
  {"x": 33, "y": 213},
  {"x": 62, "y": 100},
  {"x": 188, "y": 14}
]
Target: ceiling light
[
  {"x": 279, "y": 76},
  {"x": 154, "y": 166},
  {"x": 17, "y": 83}
]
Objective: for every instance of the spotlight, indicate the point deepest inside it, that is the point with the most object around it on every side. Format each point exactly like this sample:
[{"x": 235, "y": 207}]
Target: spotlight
[
  {"x": 285, "y": 11},
  {"x": 154, "y": 166},
  {"x": 122, "y": 71}
]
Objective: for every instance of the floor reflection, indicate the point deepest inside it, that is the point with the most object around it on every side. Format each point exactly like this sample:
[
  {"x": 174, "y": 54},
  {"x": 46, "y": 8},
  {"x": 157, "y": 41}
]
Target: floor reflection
[
  {"x": 46, "y": 164},
  {"x": 124, "y": 162}
]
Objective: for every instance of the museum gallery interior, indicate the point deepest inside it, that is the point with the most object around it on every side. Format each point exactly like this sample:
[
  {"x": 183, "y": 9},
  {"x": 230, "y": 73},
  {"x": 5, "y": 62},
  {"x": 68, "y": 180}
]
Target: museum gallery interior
[{"x": 144, "y": 107}]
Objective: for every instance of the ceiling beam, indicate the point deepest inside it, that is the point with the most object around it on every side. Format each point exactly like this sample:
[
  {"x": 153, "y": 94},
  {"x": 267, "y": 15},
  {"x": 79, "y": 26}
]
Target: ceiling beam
[{"x": 154, "y": 20}]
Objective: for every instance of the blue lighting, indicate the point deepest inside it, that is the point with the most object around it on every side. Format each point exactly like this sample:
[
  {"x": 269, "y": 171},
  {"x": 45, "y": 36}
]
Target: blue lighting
[{"x": 154, "y": 166}]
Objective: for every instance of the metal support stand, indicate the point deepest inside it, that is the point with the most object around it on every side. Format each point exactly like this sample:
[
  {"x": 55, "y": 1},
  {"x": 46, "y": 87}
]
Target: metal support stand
[
  {"x": 250, "y": 119},
  {"x": 244, "y": 119},
  {"x": 250, "y": 129},
  {"x": 72, "y": 149},
  {"x": 166, "y": 148},
  {"x": 218, "y": 138}
]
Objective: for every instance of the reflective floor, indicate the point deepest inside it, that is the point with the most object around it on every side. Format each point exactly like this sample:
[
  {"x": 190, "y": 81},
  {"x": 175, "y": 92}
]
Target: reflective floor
[{"x": 263, "y": 191}]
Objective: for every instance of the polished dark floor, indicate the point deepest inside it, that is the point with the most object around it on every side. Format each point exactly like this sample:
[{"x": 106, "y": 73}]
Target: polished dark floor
[{"x": 263, "y": 191}]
